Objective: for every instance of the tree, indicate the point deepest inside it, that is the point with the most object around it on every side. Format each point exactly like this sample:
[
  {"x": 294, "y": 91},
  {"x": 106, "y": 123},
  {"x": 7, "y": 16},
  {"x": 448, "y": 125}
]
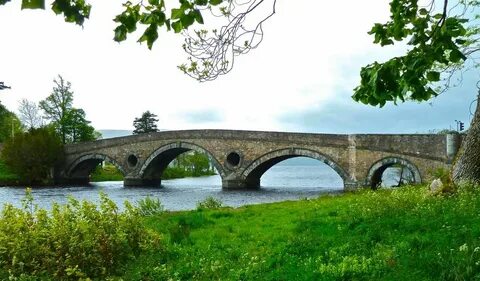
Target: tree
[
  {"x": 78, "y": 128},
  {"x": 57, "y": 106},
  {"x": 9, "y": 124},
  {"x": 70, "y": 122},
  {"x": 33, "y": 154},
  {"x": 440, "y": 43},
  {"x": 145, "y": 124},
  {"x": 29, "y": 114}
]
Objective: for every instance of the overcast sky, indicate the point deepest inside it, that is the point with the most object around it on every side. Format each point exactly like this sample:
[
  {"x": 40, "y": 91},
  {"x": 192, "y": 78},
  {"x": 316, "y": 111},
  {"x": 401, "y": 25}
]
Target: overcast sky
[{"x": 299, "y": 79}]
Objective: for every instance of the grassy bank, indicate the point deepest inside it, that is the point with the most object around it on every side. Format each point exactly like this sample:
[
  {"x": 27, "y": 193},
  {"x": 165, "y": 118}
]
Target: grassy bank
[{"x": 404, "y": 234}]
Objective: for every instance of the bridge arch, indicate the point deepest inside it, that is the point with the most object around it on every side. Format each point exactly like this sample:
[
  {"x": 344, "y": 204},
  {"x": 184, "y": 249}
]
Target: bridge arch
[
  {"x": 374, "y": 176},
  {"x": 158, "y": 161},
  {"x": 257, "y": 168},
  {"x": 84, "y": 165}
]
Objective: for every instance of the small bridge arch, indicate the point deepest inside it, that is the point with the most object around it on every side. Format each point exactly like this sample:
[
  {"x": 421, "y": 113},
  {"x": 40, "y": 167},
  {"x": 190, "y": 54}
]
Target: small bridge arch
[
  {"x": 374, "y": 176},
  {"x": 153, "y": 167},
  {"x": 81, "y": 167},
  {"x": 258, "y": 167}
]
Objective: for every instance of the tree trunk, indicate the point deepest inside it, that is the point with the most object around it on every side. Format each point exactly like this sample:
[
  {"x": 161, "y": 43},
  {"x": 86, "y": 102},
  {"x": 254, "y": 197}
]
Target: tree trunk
[{"x": 467, "y": 166}]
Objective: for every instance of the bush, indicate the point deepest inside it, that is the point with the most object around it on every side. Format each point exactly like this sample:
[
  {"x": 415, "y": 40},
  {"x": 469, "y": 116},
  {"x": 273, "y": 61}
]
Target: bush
[
  {"x": 74, "y": 241},
  {"x": 33, "y": 154},
  {"x": 209, "y": 203},
  {"x": 150, "y": 207}
]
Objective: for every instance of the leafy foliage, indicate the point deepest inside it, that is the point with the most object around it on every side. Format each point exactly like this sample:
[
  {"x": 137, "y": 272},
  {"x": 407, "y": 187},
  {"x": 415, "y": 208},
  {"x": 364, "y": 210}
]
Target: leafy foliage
[
  {"x": 154, "y": 16},
  {"x": 9, "y": 124},
  {"x": 6, "y": 175},
  {"x": 33, "y": 154},
  {"x": 70, "y": 122},
  {"x": 436, "y": 39},
  {"x": 209, "y": 203},
  {"x": 150, "y": 207},
  {"x": 75, "y": 241},
  {"x": 147, "y": 123},
  {"x": 78, "y": 127}
]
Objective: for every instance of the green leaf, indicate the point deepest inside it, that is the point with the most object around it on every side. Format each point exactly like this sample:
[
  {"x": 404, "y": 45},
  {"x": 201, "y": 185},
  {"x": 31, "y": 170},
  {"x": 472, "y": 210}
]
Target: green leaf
[
  {"x": 177, "y": 14},
  {"x": 150, "y": 35},
  {"x": 433, "y": 76},
  {"x": 198, "y": 16},
  {"x": 33, "y": 4},
  {"x": 423, "y": 12},
  {"x": 120, "y": 33},
  {"x": 456, "y": 56},
  {"x": 153, "y": 2},
  {"x": 177, "y": 26},
  {"x": 3, "y": 2},
  {"x": 187, "y": 20},
  {"x": 215, "y": 2}
]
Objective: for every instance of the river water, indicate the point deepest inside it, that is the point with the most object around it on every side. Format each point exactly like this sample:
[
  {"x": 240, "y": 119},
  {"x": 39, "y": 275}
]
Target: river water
[{"x": 282, "y": 182}]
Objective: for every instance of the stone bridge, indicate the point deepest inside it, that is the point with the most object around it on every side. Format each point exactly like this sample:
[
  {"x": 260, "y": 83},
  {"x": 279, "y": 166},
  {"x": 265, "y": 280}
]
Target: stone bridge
[{"x": 242, "y": 157}]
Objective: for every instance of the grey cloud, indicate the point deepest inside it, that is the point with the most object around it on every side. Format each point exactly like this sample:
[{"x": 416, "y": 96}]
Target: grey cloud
[{"x": 343, "y": 115}]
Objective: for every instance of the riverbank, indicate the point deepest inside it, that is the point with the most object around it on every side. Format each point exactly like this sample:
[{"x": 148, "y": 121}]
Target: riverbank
[
  {"x": 403, "y": 234},
  {"x": 400, "y": 234},
  {"x": 110, "y": 173},
  {"x": 106, "y": 173}
]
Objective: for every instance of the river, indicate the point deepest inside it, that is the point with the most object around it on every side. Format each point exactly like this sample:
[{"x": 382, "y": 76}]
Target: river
[{"x": 287, "y": 181}]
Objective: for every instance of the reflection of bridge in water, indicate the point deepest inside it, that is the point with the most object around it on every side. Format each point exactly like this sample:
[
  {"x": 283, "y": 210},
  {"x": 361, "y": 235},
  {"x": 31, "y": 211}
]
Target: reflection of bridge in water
[{"x": 242, "y": 157}]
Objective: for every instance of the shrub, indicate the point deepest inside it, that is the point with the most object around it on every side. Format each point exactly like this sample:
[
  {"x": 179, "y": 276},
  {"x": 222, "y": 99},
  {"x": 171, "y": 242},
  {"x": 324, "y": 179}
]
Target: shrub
[
  {"x": 209, "y": 203},
  {"x": 32, "y": 155},
  {"x": 150, "y": 207},
  {"x": 74, "y": 241}
]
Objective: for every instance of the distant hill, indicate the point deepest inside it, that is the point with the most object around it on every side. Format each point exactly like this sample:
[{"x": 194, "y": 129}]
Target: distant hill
[{"x": 108, "y": 134}]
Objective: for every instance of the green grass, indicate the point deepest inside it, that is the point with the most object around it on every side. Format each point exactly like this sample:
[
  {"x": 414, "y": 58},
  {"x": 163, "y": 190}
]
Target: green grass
[
  {"x": 404, "y": 234},
  {"x": 106, "y": 173}
]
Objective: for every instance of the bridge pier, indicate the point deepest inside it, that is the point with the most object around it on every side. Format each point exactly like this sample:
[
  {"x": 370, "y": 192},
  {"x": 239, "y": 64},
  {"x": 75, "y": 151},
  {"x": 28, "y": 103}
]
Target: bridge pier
[
  {"x": 138, "y": 182},
  {"x": 350, "y": 185},
  {"x": 239, "y": 184}
]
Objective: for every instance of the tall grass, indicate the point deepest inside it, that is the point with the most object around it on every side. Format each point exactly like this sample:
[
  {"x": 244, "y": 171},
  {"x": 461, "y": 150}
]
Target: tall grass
[{"x": 400, "y": 234}]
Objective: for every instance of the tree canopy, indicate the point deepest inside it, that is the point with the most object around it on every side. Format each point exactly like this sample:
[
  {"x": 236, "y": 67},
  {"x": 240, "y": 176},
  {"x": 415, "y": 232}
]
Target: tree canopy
[
  {"x": 147, "y": 123},
  {"x": 438, "y": 40},
  {"x": 442, "y": 37},
  {"x": 9, "y": 124},
  {"x": 70, "y": 122}
]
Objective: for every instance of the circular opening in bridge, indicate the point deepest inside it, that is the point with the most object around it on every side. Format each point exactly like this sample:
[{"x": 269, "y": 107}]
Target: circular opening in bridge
[
  {"x": 132, "y": 160},
  {"x": 233, "y": 159}
]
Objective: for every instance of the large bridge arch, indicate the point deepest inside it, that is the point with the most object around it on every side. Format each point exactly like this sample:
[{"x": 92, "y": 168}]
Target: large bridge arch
[
  {"x": 79, "y": 170},
  {"x": 375, "y": 172},
  {"x": 258, "y": 167},
  {"x": 153, "y": 167}
]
